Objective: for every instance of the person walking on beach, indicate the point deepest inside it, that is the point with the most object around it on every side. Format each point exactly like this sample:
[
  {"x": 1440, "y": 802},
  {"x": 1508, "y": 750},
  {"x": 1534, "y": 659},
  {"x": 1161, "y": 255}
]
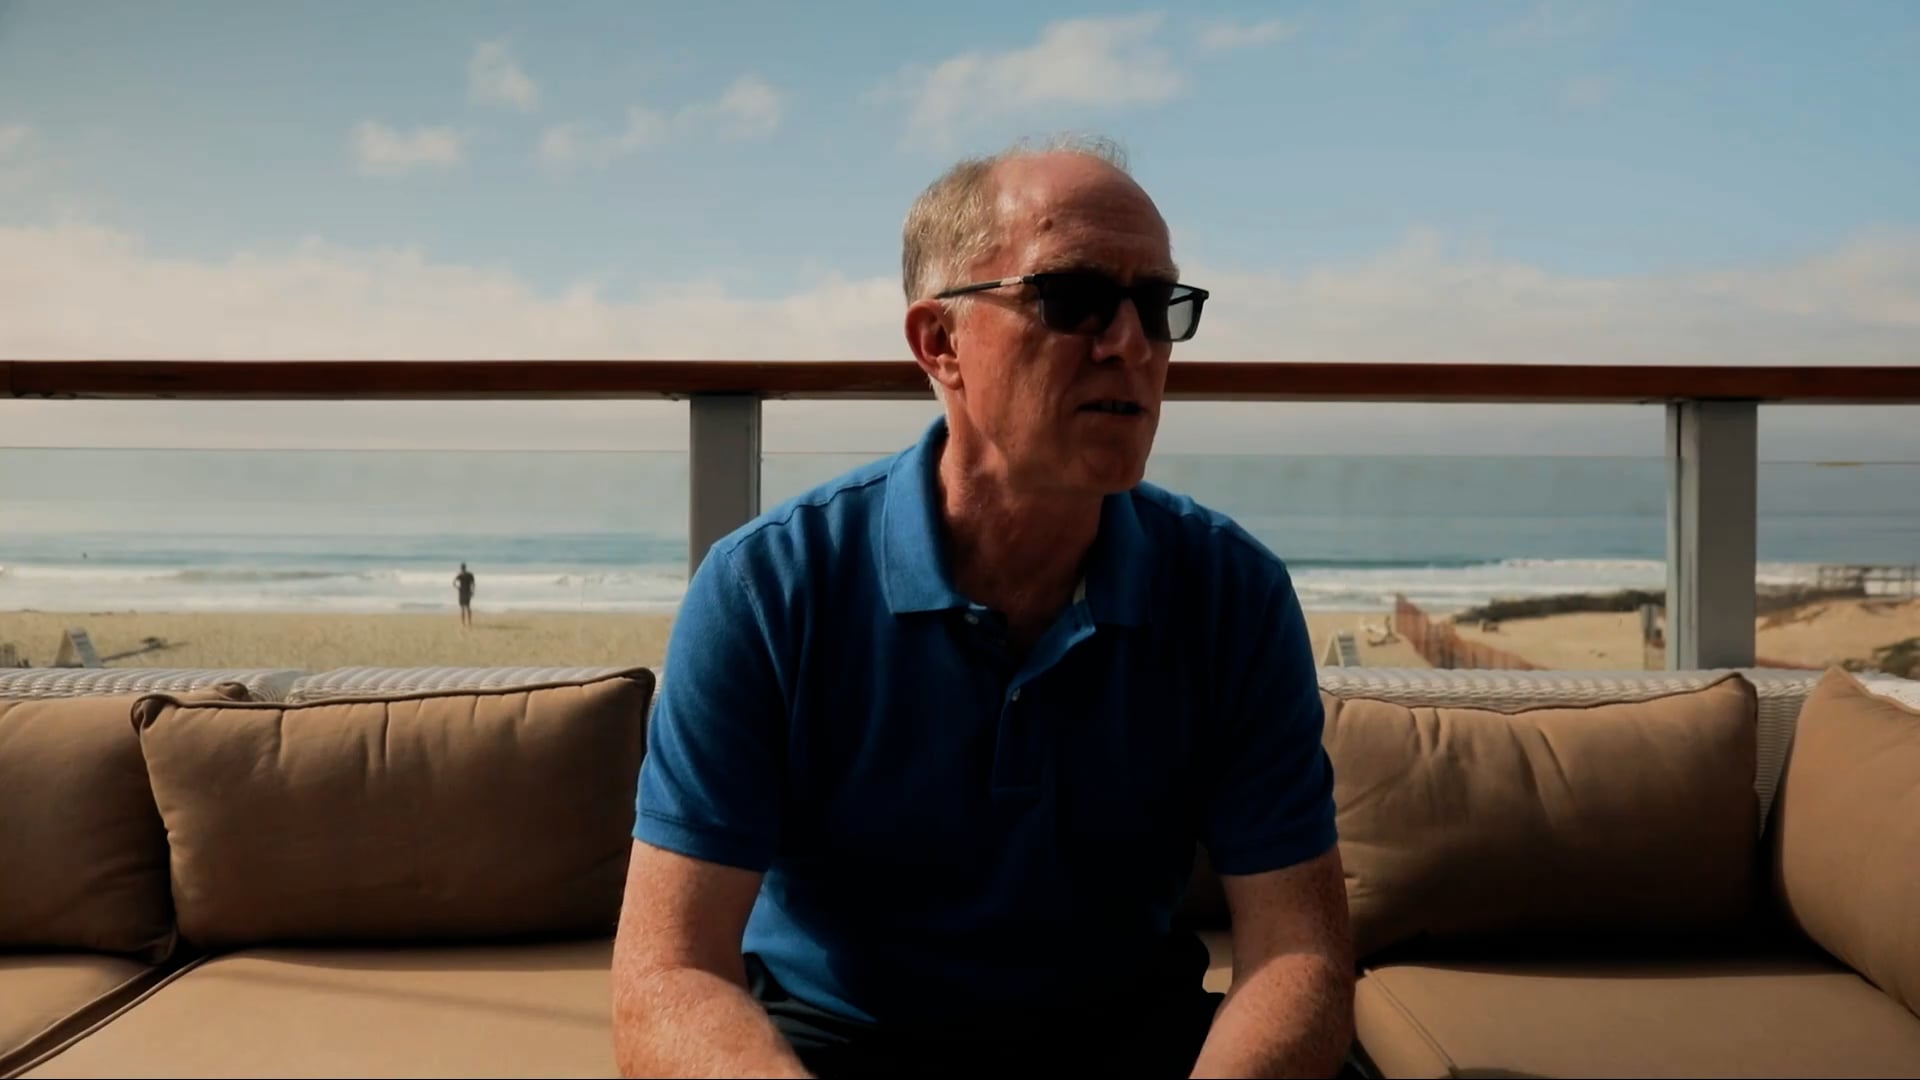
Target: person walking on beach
[
  {"x": 941, "y": 738},
  {"x": 463, "y": 587}
]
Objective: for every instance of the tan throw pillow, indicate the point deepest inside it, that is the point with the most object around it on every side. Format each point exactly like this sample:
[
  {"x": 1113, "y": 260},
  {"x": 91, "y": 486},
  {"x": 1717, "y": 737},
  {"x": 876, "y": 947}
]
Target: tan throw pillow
[
  {"x": 1629, "y": 816},
  {"x": 1847, "y": 832},
  {"x": 447, "y": 815},
  {"x": 83, "y": 856}
]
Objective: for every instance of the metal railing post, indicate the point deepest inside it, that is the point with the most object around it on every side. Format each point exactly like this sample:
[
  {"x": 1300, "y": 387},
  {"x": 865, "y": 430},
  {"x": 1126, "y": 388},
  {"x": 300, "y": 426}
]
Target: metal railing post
[
  {"x": 1712, "y": 526},
  {"x": 723, "y": 482}
]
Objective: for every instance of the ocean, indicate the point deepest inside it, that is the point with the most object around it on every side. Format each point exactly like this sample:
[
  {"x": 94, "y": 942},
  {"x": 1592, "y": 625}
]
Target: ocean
[{"x": 384, "y": 531}]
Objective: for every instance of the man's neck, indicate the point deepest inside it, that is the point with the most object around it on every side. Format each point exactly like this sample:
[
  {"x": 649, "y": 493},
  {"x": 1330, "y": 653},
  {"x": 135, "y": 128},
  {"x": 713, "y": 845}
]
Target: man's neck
[{"x": 1017, "y": 552}]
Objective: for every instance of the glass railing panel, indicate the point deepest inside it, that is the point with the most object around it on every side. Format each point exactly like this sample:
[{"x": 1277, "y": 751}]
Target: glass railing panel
[
  {"x": 1838, "y": 580},
  {"x": 334, "y": 556}
]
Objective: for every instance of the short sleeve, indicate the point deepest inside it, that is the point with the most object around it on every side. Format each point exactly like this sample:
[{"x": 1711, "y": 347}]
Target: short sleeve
[
  {"x": 710, "y": 784},
  {"x": 1271, "y": 802}
]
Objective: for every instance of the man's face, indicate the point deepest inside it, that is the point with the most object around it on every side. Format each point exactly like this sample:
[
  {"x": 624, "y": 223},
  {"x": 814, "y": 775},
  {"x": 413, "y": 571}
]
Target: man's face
[{"x": 1073, "y": 413}]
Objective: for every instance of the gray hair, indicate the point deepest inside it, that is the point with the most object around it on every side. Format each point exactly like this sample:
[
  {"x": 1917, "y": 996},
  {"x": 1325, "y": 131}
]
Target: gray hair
[{"x": 955, "y": 220}]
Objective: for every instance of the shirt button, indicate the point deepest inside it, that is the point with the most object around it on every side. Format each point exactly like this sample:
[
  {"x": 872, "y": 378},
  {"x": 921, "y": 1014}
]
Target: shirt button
[
  {"x": 973, "y": 619},
  {"x": 1015, "y": 696}
]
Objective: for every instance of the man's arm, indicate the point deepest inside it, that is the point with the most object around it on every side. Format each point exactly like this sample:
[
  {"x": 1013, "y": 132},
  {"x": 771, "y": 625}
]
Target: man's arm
[
  {"x": 1271, "y": 832},
  {"x": 707, "y": 826},
  {"x": 680, "y": 1001},
  {"x": 1290, "y": 1012}
]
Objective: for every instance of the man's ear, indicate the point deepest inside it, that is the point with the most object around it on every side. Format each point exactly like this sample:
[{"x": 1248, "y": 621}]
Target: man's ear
[{"x": 930, "y": 336}]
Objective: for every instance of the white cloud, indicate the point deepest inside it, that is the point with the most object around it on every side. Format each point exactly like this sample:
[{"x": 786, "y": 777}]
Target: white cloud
[
  {"x": 495, "y": 78},
  {"x": 317, "y": 299},
  {"x": 1856, "y": 303},
  {"x": 1225, "y": 34},
  {"x": 569, "y": 144},
  {"x": 749, "y": 108},
  {"x": 578, "y": 143},
  {"x": 1101, "y": 62},
  {"x": 384, "y": 151}
]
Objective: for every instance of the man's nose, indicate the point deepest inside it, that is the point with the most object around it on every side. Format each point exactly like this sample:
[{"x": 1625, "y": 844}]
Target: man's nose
[{"x": 1124, "y": 341}]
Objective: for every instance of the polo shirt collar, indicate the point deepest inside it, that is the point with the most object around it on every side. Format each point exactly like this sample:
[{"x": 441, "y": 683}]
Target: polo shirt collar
[
  {"x": 913, "y": 547},
  {"x": 1119, "y": 569}
]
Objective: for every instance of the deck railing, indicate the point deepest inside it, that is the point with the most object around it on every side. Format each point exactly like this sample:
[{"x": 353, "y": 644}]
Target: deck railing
[{"x": 1711, "y": 446}]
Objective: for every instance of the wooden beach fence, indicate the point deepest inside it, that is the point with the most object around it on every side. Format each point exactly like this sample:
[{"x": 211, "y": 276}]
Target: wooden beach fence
[
  {"x": 1440, "y": 645},
  {"x": 1879, "y": 581}
]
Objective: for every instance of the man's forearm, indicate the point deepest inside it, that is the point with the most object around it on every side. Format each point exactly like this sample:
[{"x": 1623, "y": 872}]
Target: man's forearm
[
  {"x": 689, "y": 1022},
  {"x": 1291, "y": 1017}
]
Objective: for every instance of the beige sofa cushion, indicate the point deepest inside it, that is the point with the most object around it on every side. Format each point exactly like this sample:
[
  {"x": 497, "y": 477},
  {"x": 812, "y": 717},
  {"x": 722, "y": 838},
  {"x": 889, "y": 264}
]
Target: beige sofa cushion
[
  {"x": 454, "y": 815},
  {"x": 47, "y": 997},
  {"x": 83, "y": 856},
  {"x": 1219, "y": 976},
  {"x": 1626, "y": 817},
  {"x": 491, "y": 1010},
  {"x": 1847, "y": 832},
  {"x": 1802, "y": 1016}
]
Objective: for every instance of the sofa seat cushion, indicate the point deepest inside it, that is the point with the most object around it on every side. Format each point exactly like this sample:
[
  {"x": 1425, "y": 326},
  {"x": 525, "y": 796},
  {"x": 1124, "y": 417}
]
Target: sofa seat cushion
[
  {"x": 1761, "y": 1016},
  {"x": 1219, "y": 943},
  {"x": 489, "y": 1010},
  {"x": 46, "y": 997}
]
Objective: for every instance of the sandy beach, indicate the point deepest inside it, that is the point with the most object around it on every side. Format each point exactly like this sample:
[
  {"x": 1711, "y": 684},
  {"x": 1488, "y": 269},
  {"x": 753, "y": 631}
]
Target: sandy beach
[
  {"x": 1835, "y": 631},
  {"x": 1575, "y": 641},
  {"x": 317, "y": 641},
  {"x": 1814, "y": 635}
]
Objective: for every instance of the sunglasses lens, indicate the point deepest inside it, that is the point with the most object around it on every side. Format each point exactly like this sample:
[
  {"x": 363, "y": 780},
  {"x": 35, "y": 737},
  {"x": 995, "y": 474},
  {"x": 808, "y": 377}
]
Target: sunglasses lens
[
  {"x": 1078, "y": 303},
  {"x": 1182, "y": 316},
  {"x": 1151, "y": 299},
  {"x": 1086, "y": 303}
]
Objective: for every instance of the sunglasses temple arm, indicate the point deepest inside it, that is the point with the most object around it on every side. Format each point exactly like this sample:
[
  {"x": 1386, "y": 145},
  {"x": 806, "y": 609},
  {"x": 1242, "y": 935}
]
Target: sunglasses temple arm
[{"x": 979, "y": 286}]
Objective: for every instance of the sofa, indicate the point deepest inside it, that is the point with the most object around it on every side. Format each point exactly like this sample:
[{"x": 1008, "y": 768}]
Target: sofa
[{"x": 395, "y": 872}]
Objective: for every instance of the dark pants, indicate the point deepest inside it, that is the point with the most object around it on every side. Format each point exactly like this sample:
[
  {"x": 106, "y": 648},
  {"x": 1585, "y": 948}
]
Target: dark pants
[{"x": 1155, "y": 1032}]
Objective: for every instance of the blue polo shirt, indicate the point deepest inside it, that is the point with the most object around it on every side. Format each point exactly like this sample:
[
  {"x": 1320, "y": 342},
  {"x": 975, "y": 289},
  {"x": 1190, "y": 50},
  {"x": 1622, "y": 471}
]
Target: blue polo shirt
[{"x": 948, "y": 830}]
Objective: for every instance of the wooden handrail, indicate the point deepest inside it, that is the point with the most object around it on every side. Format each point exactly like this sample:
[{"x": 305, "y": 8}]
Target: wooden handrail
[{"x": 1191, "y": 380}]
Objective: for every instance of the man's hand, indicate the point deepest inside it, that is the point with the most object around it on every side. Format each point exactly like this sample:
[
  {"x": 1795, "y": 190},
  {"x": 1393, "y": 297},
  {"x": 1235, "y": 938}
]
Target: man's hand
[
  {"x": 680, "y": 1001},
  {"x": 1290, "y": 1012}
]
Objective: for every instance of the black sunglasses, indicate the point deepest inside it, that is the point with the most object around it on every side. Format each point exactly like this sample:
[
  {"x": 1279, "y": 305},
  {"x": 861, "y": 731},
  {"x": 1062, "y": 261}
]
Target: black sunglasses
[{"x": 1085, "y": 302}]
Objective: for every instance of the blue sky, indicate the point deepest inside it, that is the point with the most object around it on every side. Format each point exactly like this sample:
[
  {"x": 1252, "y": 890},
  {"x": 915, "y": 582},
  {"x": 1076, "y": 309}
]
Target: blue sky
[{"x": 1525, "y": 181}]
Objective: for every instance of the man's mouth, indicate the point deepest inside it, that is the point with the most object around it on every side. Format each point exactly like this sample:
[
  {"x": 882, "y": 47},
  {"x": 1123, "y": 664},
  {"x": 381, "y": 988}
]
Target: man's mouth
[{"x": 1113, "y": 406}]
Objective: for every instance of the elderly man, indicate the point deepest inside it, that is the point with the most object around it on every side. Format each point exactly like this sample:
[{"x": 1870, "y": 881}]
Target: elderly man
[{"x": 936, "y": 741}]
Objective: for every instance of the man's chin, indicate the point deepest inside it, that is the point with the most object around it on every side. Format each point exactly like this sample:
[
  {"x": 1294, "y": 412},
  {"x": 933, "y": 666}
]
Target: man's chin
[{"x": 1110, "y": 476}]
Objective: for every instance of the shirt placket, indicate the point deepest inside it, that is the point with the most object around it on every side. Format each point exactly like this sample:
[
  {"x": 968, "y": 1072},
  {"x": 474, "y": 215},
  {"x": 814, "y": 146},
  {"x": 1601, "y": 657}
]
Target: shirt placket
[{"x": 1024, "y": 739}]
